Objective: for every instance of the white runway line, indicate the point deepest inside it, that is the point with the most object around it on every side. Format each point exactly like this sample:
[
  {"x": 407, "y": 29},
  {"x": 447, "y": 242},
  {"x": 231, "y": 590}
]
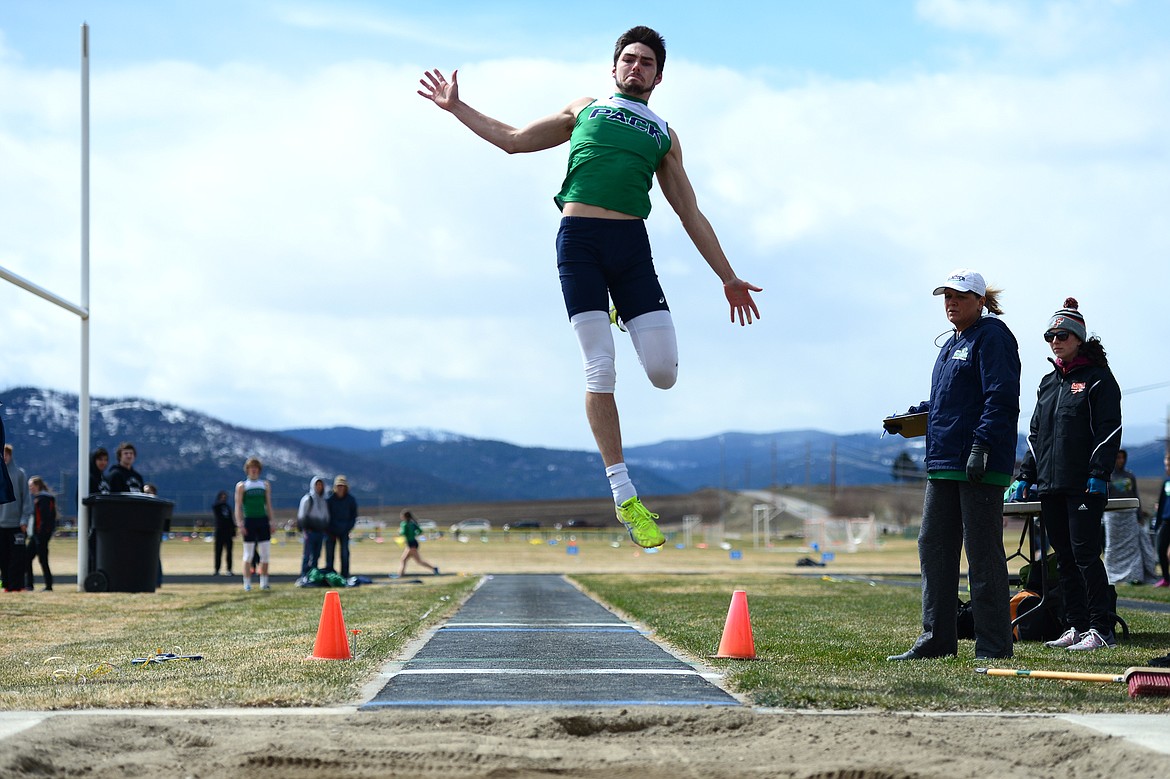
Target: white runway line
[{"x": 548, "y": 672}]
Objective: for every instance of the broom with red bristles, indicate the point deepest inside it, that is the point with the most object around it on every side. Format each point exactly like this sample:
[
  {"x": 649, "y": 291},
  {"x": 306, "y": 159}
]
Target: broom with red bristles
[{"x": 1141, "y": 680}]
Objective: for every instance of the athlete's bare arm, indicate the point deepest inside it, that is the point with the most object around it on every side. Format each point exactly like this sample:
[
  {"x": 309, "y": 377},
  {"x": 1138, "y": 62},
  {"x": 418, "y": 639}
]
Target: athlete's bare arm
[
  {"x": 239, "y": 508},
  {"x": 677, "y": 189},
  {"x": 268, "y": 505},
  {"x": 544, "y": 133}
]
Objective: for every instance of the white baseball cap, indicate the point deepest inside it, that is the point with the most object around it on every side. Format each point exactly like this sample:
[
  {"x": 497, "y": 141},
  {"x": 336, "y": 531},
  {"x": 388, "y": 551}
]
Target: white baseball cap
[{"x": 964, "y": 280}]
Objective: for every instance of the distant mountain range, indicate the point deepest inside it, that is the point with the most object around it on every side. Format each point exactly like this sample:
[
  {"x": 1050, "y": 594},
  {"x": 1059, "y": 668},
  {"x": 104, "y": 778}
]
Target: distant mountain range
[{"x": 191, "y": 456}]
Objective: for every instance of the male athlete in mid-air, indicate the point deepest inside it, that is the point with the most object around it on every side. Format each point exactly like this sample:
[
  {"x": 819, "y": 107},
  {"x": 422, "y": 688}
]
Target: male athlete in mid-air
[{"x": 616, "y": 146}]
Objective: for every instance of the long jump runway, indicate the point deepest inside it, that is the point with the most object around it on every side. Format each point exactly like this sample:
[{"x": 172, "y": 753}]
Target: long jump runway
[{"x": 535, "y": 640}]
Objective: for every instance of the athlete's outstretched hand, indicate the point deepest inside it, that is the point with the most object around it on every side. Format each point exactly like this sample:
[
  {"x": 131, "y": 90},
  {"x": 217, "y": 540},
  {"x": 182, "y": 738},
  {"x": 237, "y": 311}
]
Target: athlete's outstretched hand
[
  {"x": 438, "y": 90},
  {"x": 739, "y": 295}
]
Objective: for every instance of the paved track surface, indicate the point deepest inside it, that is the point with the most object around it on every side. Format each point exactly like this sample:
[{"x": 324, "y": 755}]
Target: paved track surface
[{"x": 534, "y": 639}]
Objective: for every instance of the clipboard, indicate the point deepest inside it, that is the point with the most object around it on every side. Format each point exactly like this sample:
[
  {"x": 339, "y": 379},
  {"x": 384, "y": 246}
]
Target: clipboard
[{"x": 909, "y": 425}]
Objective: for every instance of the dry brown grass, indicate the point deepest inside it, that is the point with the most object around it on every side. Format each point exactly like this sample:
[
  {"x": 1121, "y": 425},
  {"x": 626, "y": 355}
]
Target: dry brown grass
[{"x": 537, "y": 552}]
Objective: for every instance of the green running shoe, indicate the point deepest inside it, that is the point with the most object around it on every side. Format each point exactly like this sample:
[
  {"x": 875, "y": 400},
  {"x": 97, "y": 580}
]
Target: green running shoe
[
  {"x": 640, "y": 522},
  {"x": 614, "y": 319}
]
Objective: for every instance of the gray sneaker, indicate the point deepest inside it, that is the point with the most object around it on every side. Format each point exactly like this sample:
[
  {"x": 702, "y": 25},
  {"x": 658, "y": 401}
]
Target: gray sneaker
[
  {"x": 1067, "y": 639},
  {"x": 1093, "y": 640}
]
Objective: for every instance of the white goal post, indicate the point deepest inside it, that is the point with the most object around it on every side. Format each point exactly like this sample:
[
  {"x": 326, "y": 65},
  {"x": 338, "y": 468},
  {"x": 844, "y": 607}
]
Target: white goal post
[{"x": 842, "y": 534}]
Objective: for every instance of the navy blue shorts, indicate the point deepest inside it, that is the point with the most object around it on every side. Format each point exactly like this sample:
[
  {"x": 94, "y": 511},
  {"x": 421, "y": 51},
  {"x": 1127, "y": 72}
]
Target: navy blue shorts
[
  {"x": 607, "y": 259},
  {"x": 257, "y": 529}
]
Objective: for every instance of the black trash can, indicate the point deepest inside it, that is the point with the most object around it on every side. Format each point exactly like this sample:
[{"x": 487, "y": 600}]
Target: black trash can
[{"x": 125, "y": 535}]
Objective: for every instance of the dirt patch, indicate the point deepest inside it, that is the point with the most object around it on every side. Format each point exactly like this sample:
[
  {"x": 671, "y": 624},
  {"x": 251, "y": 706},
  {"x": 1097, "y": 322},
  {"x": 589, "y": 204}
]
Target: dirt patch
[{"x": 612, "y": 743}]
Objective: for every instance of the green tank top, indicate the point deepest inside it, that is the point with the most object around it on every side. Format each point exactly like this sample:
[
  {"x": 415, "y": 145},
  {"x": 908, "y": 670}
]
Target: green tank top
[
  {"x": 616, "y": 146},
  {"x": 255, "y": 506}
]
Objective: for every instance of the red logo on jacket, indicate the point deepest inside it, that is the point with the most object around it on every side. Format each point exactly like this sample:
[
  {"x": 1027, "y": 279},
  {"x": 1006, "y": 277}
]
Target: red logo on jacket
[{"x": 1078, "y": 386}]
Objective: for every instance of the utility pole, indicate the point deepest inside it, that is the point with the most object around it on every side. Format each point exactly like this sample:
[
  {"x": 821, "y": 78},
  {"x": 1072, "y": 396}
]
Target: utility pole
[{"x": 833, "y": 471}]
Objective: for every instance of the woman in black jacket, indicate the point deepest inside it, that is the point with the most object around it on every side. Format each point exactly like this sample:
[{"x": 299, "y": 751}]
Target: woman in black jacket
[
  {"x": 41, "y": 531},
  {"x": 1072, "y": 448}
]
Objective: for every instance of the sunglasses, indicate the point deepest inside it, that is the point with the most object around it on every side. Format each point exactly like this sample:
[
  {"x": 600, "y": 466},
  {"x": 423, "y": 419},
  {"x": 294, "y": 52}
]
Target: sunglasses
[{"x": 1058, "y": 335}]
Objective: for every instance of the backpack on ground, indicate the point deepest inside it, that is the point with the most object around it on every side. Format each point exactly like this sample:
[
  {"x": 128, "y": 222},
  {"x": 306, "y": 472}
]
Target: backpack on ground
[{"x": 1038, "y": 621}]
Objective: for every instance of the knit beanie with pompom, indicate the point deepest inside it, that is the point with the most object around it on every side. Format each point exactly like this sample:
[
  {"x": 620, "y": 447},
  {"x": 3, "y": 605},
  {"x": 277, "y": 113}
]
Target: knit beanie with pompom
[{"x": 1070, "y": 319}]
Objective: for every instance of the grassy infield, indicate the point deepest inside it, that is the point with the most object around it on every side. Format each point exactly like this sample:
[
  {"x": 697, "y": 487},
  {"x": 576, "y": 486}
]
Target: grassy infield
[{"x": 822, "y": 641}]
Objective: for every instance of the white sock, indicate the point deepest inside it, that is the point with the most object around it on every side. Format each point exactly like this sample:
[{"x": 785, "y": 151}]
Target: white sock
[
  {"x": 620, "y": 484},
  {"x": 263, "y": 580}
]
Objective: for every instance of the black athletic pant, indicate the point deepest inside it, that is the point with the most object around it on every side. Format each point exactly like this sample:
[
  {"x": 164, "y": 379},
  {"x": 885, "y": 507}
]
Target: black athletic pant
[
  {"x": 38, "y": 549},
  {"x": 13, "y": 559},
  {"x": 223, "y": 549},
  {"x": 1162, "y": 545},
  {"x": 1073, "y": 525}
]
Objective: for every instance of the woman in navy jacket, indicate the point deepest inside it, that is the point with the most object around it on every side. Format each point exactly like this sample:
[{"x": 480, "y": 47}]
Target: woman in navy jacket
[
  {"x": 1072, "y": 448},
  {"x": 972, "y": 415}
]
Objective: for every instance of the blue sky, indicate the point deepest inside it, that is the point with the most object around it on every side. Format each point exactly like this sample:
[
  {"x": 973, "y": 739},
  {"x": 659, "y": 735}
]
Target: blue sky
[
  {"x": 285, "y": 235},
  {"x": 297, "y": 35}
]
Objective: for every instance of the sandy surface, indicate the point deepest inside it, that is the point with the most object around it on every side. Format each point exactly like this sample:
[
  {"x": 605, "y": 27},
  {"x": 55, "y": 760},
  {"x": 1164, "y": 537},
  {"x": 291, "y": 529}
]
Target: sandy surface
[{"x": 645, "y": 743}]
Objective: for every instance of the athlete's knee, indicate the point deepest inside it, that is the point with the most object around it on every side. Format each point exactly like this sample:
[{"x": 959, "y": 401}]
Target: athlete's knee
[
  {"x": 600, "y": 375},
  {"x": 597, "y": 350},
  {"x": 654, "y": 339},
  {"x": 661, "y": 367},
  {"x": 662, "y": 374}
]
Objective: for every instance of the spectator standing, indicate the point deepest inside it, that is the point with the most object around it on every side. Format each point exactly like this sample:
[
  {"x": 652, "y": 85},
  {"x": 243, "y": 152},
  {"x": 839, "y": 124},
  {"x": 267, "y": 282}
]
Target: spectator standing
[
  {"x": 254, "y": 518},
  {"x": 98, "y": 462},
  {"x": 313, "y": 522},
  {"x": 121, "y": 476},
  {"x": 225, "y": 530},
  {"x": 1161, "y": 528},
  {"x": 343, "y": 511},
  {"x": 7, "y": 493},
  {"x": 15, "y": 518},
  {"x": 43, "y": 526},
  {"x": 972, "y": 414},
  {"x": 1073, "y": 441},
  {"x": 410, "y": 531},
  {"x": 1129, "y": 553}
]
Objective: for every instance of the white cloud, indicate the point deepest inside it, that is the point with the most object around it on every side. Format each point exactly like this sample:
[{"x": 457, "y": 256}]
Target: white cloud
[
  {"x": 1030, "y": 30},
  {"x": 334, "y": 250}
]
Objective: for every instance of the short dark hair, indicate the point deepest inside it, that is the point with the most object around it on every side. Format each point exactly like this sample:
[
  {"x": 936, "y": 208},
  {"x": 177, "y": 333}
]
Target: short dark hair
[{"x": 645, "y": 36}]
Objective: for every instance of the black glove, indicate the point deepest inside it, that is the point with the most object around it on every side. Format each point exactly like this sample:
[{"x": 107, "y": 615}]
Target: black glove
[
  {"x": 977, "y": 463},
  {"x": 891, "y": 425}
]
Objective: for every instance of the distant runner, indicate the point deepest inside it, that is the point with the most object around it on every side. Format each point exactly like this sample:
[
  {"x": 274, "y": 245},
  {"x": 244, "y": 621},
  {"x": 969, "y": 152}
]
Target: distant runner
[{"x": 410, "y": 531}]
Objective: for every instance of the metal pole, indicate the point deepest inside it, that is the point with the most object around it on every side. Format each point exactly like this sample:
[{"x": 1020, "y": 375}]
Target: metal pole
[
  {"x": 83, "y": 312},
  {"x": 83, "y": 394}
]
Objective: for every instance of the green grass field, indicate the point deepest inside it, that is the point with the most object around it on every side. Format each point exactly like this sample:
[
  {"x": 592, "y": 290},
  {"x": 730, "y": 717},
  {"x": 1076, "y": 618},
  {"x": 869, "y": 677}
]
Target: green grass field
[{"x": 821, "y": 638}]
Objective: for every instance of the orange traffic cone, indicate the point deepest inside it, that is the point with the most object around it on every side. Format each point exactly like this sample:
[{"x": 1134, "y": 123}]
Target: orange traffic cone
[
  {"x": 737, "y": 643},
  {"x": 332, "y": 643}
]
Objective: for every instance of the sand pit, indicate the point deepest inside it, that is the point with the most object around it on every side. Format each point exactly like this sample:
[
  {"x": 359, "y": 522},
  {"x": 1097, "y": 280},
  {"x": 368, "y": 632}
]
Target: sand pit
[{"x": 645, "y": 743}]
